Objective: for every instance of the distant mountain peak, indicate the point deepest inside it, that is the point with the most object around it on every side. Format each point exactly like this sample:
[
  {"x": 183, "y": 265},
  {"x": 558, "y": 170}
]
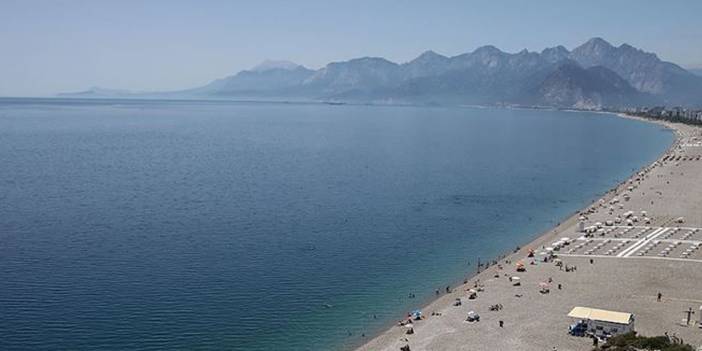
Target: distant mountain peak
[
  {"x": 555, "y": 54},
  {"x": 370, "y": 59},
  {"x": 594, "y": 48},
  {"x": 626, "y": 46},
  {"x": 556, "y": 49},
  {"x": 431, "y": 54},
  {"x": 487, "y": 50},
  {"x": 597, "y": 42},
  {"x": 366, "y": 61},
  {"x": 428, "y": 57},
  {"x": 268, "y": 65}
]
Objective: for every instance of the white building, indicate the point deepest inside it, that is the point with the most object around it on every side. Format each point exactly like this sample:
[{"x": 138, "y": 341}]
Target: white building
[{"x": 603, "y": 323}]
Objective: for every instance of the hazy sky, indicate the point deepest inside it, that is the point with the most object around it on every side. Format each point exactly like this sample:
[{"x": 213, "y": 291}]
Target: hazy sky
[{"x": 54, "y": 46}]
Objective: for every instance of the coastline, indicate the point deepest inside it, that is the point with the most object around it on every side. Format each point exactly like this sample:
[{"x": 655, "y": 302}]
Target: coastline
[
  {"x": 519, "y": 235},
  {"x": 444, "y": 301}
]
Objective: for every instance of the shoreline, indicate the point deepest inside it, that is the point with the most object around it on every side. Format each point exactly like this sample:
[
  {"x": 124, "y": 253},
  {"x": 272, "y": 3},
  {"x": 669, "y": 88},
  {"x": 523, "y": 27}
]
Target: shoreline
[{"x": 537, "y": 240}]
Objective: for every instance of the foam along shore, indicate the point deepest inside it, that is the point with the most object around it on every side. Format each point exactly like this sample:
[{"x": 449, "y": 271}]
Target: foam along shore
[{"x": 623, "y": 264}]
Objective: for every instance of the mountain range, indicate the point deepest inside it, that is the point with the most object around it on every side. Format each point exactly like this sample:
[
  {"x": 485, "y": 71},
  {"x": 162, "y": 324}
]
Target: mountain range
[{"x": 593, "y": 75}]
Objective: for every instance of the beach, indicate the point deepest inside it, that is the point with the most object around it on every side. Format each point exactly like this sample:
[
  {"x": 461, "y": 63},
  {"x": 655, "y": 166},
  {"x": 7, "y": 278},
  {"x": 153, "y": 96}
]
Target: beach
[{"x": 621, "y": 266}]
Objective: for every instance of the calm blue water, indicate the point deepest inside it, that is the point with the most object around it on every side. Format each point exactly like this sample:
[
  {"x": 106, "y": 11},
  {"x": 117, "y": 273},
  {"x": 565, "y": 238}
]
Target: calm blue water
[{"x": 195, "y": 225}]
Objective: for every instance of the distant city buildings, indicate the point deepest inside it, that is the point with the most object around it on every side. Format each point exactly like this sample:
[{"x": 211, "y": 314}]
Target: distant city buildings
[{"x": 678, "y": 114}]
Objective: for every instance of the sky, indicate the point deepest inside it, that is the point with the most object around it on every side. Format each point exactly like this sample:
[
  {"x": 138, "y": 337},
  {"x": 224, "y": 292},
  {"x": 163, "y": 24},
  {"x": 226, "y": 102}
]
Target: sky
[{"x": 53, "y": 46}]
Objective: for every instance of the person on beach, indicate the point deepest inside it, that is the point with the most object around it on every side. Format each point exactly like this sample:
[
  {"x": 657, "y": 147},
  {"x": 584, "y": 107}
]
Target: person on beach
[{"x": 660, "y": 296}]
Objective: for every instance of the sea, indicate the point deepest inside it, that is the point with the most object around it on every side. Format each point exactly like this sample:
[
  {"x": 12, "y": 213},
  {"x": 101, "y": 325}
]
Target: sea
[{"x": 225, "y": 225}]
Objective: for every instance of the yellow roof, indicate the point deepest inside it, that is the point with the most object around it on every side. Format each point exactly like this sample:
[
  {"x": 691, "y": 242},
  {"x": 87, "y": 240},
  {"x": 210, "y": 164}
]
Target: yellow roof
[{"x": 600, "y": 315}]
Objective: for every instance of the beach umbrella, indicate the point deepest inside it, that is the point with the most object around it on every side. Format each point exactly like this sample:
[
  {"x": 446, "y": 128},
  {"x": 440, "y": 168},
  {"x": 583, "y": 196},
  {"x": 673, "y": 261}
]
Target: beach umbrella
[{"x": 543, "y": 285}]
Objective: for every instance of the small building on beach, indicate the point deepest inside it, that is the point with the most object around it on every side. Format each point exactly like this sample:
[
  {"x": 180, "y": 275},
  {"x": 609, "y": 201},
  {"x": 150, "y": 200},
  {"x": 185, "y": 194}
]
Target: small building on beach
[{"x": 603, "y": 323}]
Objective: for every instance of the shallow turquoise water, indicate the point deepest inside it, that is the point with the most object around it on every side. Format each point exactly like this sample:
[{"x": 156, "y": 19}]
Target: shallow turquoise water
[{"x": 214, "y": 225}]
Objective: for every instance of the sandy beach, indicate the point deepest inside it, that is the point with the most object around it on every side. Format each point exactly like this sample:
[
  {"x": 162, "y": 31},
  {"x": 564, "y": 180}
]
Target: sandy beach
[{"x": 621, "y": 267}]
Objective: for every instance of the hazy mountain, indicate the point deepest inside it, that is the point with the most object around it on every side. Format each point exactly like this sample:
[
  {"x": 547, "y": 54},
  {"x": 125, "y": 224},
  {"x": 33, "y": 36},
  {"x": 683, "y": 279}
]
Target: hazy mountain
[
  {"x": 267, "y": 79},
  {"x": 275, "y": 64},
  {"x": 428, "y": 63},
  {"x": 594, "y": 74},
  {"x": 485, "y": 76},
  {"x": 643, "y": 70},
  {"x": 360, "y": 75},
  {"x": 555, "y": 54},
  {"x": 592, "y": 88},
  {"x": 98, "y": 92}
]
